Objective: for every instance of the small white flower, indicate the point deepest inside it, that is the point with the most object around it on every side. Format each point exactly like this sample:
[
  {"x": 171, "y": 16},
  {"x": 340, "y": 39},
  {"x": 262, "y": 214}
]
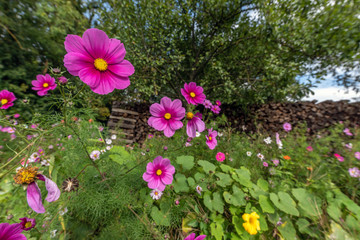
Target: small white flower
[
  {"x": 62, "y": 212},
  {"x": 198, "y": 134},
  {"x": 199, "y": 189},
  {"x": 249, "y": 154},
  {"x": 108, "y": 141},
  {"x": 34, "y": 157},
  {"x": 220, "y": 134},
  {"x": 45, "y": 163},
  {"x": 267, "y": 140},
  {"x": 142, "y": 153},
  {"x": 259, "y": 155},
  {"x": 156, "y": 194},
  {"x": 103, "y": 150},
  {"x": 108, "y": 147},
  {"x": 94, "y": 155},
  {"x": 53, "y": 233},
  {"x": 113, "y": 137},
  {"x": 188, "y": 144}
]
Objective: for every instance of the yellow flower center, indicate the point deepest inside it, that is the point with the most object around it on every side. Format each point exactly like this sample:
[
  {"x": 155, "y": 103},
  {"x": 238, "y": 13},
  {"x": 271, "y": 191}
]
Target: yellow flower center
[
  {"x": 26, "y": 175},
  {"x": 4, "y": 101},
  {"x": 156, "y": 193},
  {"x": 45, "y": 85},
  {"x": 189, "y": 115},
  {"x": 167, "y": 116},
  {"x": 158, "y": 172},
  {"x": 210, "y": 138},
  {"x": 100, "y": 64},
  {"x": 27, "y": 224},
  {"x": 192, "y": 94}
]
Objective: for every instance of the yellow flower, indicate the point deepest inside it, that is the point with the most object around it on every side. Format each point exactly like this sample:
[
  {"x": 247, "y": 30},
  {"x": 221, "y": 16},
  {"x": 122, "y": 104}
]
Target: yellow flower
[{"x": 251, "y": 224}]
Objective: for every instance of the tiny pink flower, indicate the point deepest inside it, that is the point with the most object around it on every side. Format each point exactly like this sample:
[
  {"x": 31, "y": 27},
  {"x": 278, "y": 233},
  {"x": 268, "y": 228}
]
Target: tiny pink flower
[
  {"x": 12, "y": 136},
  {"x": 347, "y": 132},
  {"x": 69, "y": 137},
  {"x": 354, "y": 172},
  {"x": 193, "y": 94},
  {"x": 167, "y": 116},
  {"x": 101, "y": 128},
  {"x": 16, "y": 115},
  {"x": 150, "y": 136},
  {"x": 357, "y": 155},
  {"x": 177, "y": 202},
  {"x": 211, "y": 139},
  {"x": 194, "y": 125},
  {"x": 220, "y": 157},
  {"x": 218, "y": 102},
  {"x": 43, "y": 84},
  {"x": 27, "y": 223},
  {"x": 63, "y": 80},
  {"x": 287, "y": 127},
  {"x": 309, "y": 148},
  {"x": 215, "y": 109},
  {"x": 159, "y": 173},
  {"x": 207, "y": 104},
  {"x": 41, "y": 151},
  {"x": 348, "y": 146},
  {"x": 339, "y": 157},
  {"x": 199, "y": 189},
  {"x": 265, "y": 164},
  {"x": 187, "y": 144},
  {"x": 51, "y": 147},
  {"x": 276, "y": 162},
  {"x": 6, "y": 99}
]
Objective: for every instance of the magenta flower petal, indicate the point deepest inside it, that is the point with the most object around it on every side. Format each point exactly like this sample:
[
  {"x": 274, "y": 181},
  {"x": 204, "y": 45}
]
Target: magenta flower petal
[
  {"x": 175, "y": 125},
  {"x": 154, "y": 183},
  {"x": 166, "y": 103},
  {"x": 43, "y": 84},
  {"x": 168, "y": 132},
  {"x": 125, "y": 68},
  {"x": 148, "y": 176},
  {"x": 74, "y": 43},
  {"x": 190, "y": 237},
  {"x": 150, "y": 168},
  {"x": 201, "y": 237},
  {"x": 11, "y": 232},
  {"x": 75, "y": 62},
  {"x": 193, "y": 94},
  {"x": 157, "y": 110},
  {"x": 90, "y": 76},
  {"x": 6, "y": 99},
  {"x": 158, "y": 123},
  {"x": 34, "y": 198},
  {"x": 167, "y": 179},
  {"x": 51, "y": 187},
  {"x": 96, "y": 42},
  {"x": 116, "y": 51}
]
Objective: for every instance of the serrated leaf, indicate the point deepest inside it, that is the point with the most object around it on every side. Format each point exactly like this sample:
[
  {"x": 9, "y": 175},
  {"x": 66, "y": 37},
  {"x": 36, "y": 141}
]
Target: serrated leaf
[
  {"x": 216, "y": 227},
  {"x": 207, "y": 166},
  {"x": 186, "y": 162},
  {"x": 284, "y": 202},
  {"x": 215, "y": 203},
  {"x": 225, "y": 179},
  {"x": 265, "y": 204},
  {"x": 236, "y": 198}
]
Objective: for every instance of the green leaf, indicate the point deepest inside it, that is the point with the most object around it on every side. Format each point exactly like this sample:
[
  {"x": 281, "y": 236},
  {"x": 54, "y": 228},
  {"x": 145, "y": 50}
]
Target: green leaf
[
  {"x": 238, "y": 224},
  {"x": 199, "y": 177},
  {"x": 207, "y": 166},
  {"x": 180, "y": 184},
  {"x": 265, "y": 204},
  {"x": 307, "y": 201},
  {"x": 264, "y": 185},
  {"x": 225, "y": 180},
  {"x": 216, "y": 227},
  {"x": 191, "y": 182},
  {"x": 284, "y": 202},
  {"x": 215, "y": 203},
  {"x": 287, "y": 230},
  {"x": 187, "y": 162},
  {"x": 159, "y": 217},
  {"x": 236, "y": 198},
  {"x": 242, "y": 176},
  {"x": 119, "y": 155},
  {"x": 303, "y": 227},
  {"x": 226, "y": 168}
]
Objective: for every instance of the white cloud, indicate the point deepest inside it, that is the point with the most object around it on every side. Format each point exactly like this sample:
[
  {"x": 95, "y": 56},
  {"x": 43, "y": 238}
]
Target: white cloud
[{"x": 333, "y": 93}]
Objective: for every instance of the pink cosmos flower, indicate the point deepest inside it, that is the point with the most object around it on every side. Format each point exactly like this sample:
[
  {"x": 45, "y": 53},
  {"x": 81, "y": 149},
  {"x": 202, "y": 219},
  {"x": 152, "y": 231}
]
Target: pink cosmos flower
[
  {"x": 276, "y": 162},
  {"x": 12, "y": 136},
  {"x": 278, "y": 141},
  {"x": 192, "y": 237},
  {"x": 43, "y": 84},
  {"x": 220, "y": 156},
  {"x": 159, "y": 173},
  {"x": 265, "y": 164},
  {"x": 199, "y": 189},
  {"x": 215, "y": 109},
  {"x": 27, "y": 223},
  {"x": 207, "y": 104},
  {"x": 63, "y": 80},
  {"x": 16, "y": 115},
  {"x": 309, "y": 148},
  {"x": 218, "y": 102},
  {"x": 211, "y": 139},
  {"x": 347, "y": 132},
  {"x": 199, "y": 115},
  {"x": 287, "y": 127},
  {"x": 98, "y": 61},
  {"x": 354, "y": 172},
  {"x": 339, "y": 157},
  {"x": 167, "y": 116},
  {"x": 193, "y": 94},
  {"x": 194, "y": 124},
  {"x": 349, "y": 146},
  {"x": 357, "y": 155},
  {"x": 6, "y": 99},
  {"x": 11, "y": 232}
]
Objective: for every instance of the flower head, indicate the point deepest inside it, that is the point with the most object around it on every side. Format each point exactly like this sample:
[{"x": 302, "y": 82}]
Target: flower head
[
  {"x": 211, "y": 139},
  {"x": 193, "y": 94},
  {"x": 63, "y": 80},
  {"x": 11, "y": 231},
  {"x": 167, "y": 116},
  {"x": 278, "y": 141},
  {"x": 276, "y": 162},
  {"x": 339, "y": 157},
  {"x": 94, "y": 155},
  {"x": 6, "y": 99},
  {"x": 159, "y": 173},
  {"x": 192, "y": 237},
  {"x": 156, "y": 194},
  {"x": 218, "y": 102},
  {"x": 215, "y": 109},
  {"x": 248, "y": 153},
  {"x": 309, "y": 148},
  {"x": 198, "y": 134},
  {"x": 286, "y": 157},
  {"x": 29, "y": 175},
  {"x": 207, "y": 104},
  {"x": 98, "y": 61},
  {"x": 113, "y": 137},
  {"x": 194, "y": 125},
  {"x": 287, "y": 127},
  {"x": 354, "y": 172},
  {"x": 27, "y": 223},
  {"x": 220, "y": 156},
  {"x": 265, "y": 164},
  {"x": 349, "y": 145},
  {"x": 199, "y": 189},
  {"x": 251, "y": 224},
  {"x": 70, "y": 184},
  {"x": 347, "y": 132},
  {"x": 357, "y": 155},
  {"x": 259, "y": 155},
  {"x": 16, "y": 115},
  {"x": 43, "y": 84},
  {"x": 268, "y": 140}
]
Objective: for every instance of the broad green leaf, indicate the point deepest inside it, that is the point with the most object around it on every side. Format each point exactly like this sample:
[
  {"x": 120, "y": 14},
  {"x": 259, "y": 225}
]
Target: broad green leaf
[
  {"x": 242, "y": 176},
  {"x": 265, "y": 204},
  {"x": 186, "y": 162},
  {"x": 191, "y": 182},
  {"x": 236, "y": 198},
  {"x": 284, "y": 202},
  {"x": 216, "y": 227},
  {"x": 214, "y": 202},
  {"x": 307, "y": 202},
  {"x": 180, "y": 183},
  {"x": 264, "y": 185},
  {"x": 119, "y": 155},
  {"x": 199, "y": 177},
  {"x": 287, "y": 230},
  {"x": 224, "y": 179},
  {"x": 225, "y": 168},
  {"x": 207, "y": 166},
  {"x": 159, "y": 217}
]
